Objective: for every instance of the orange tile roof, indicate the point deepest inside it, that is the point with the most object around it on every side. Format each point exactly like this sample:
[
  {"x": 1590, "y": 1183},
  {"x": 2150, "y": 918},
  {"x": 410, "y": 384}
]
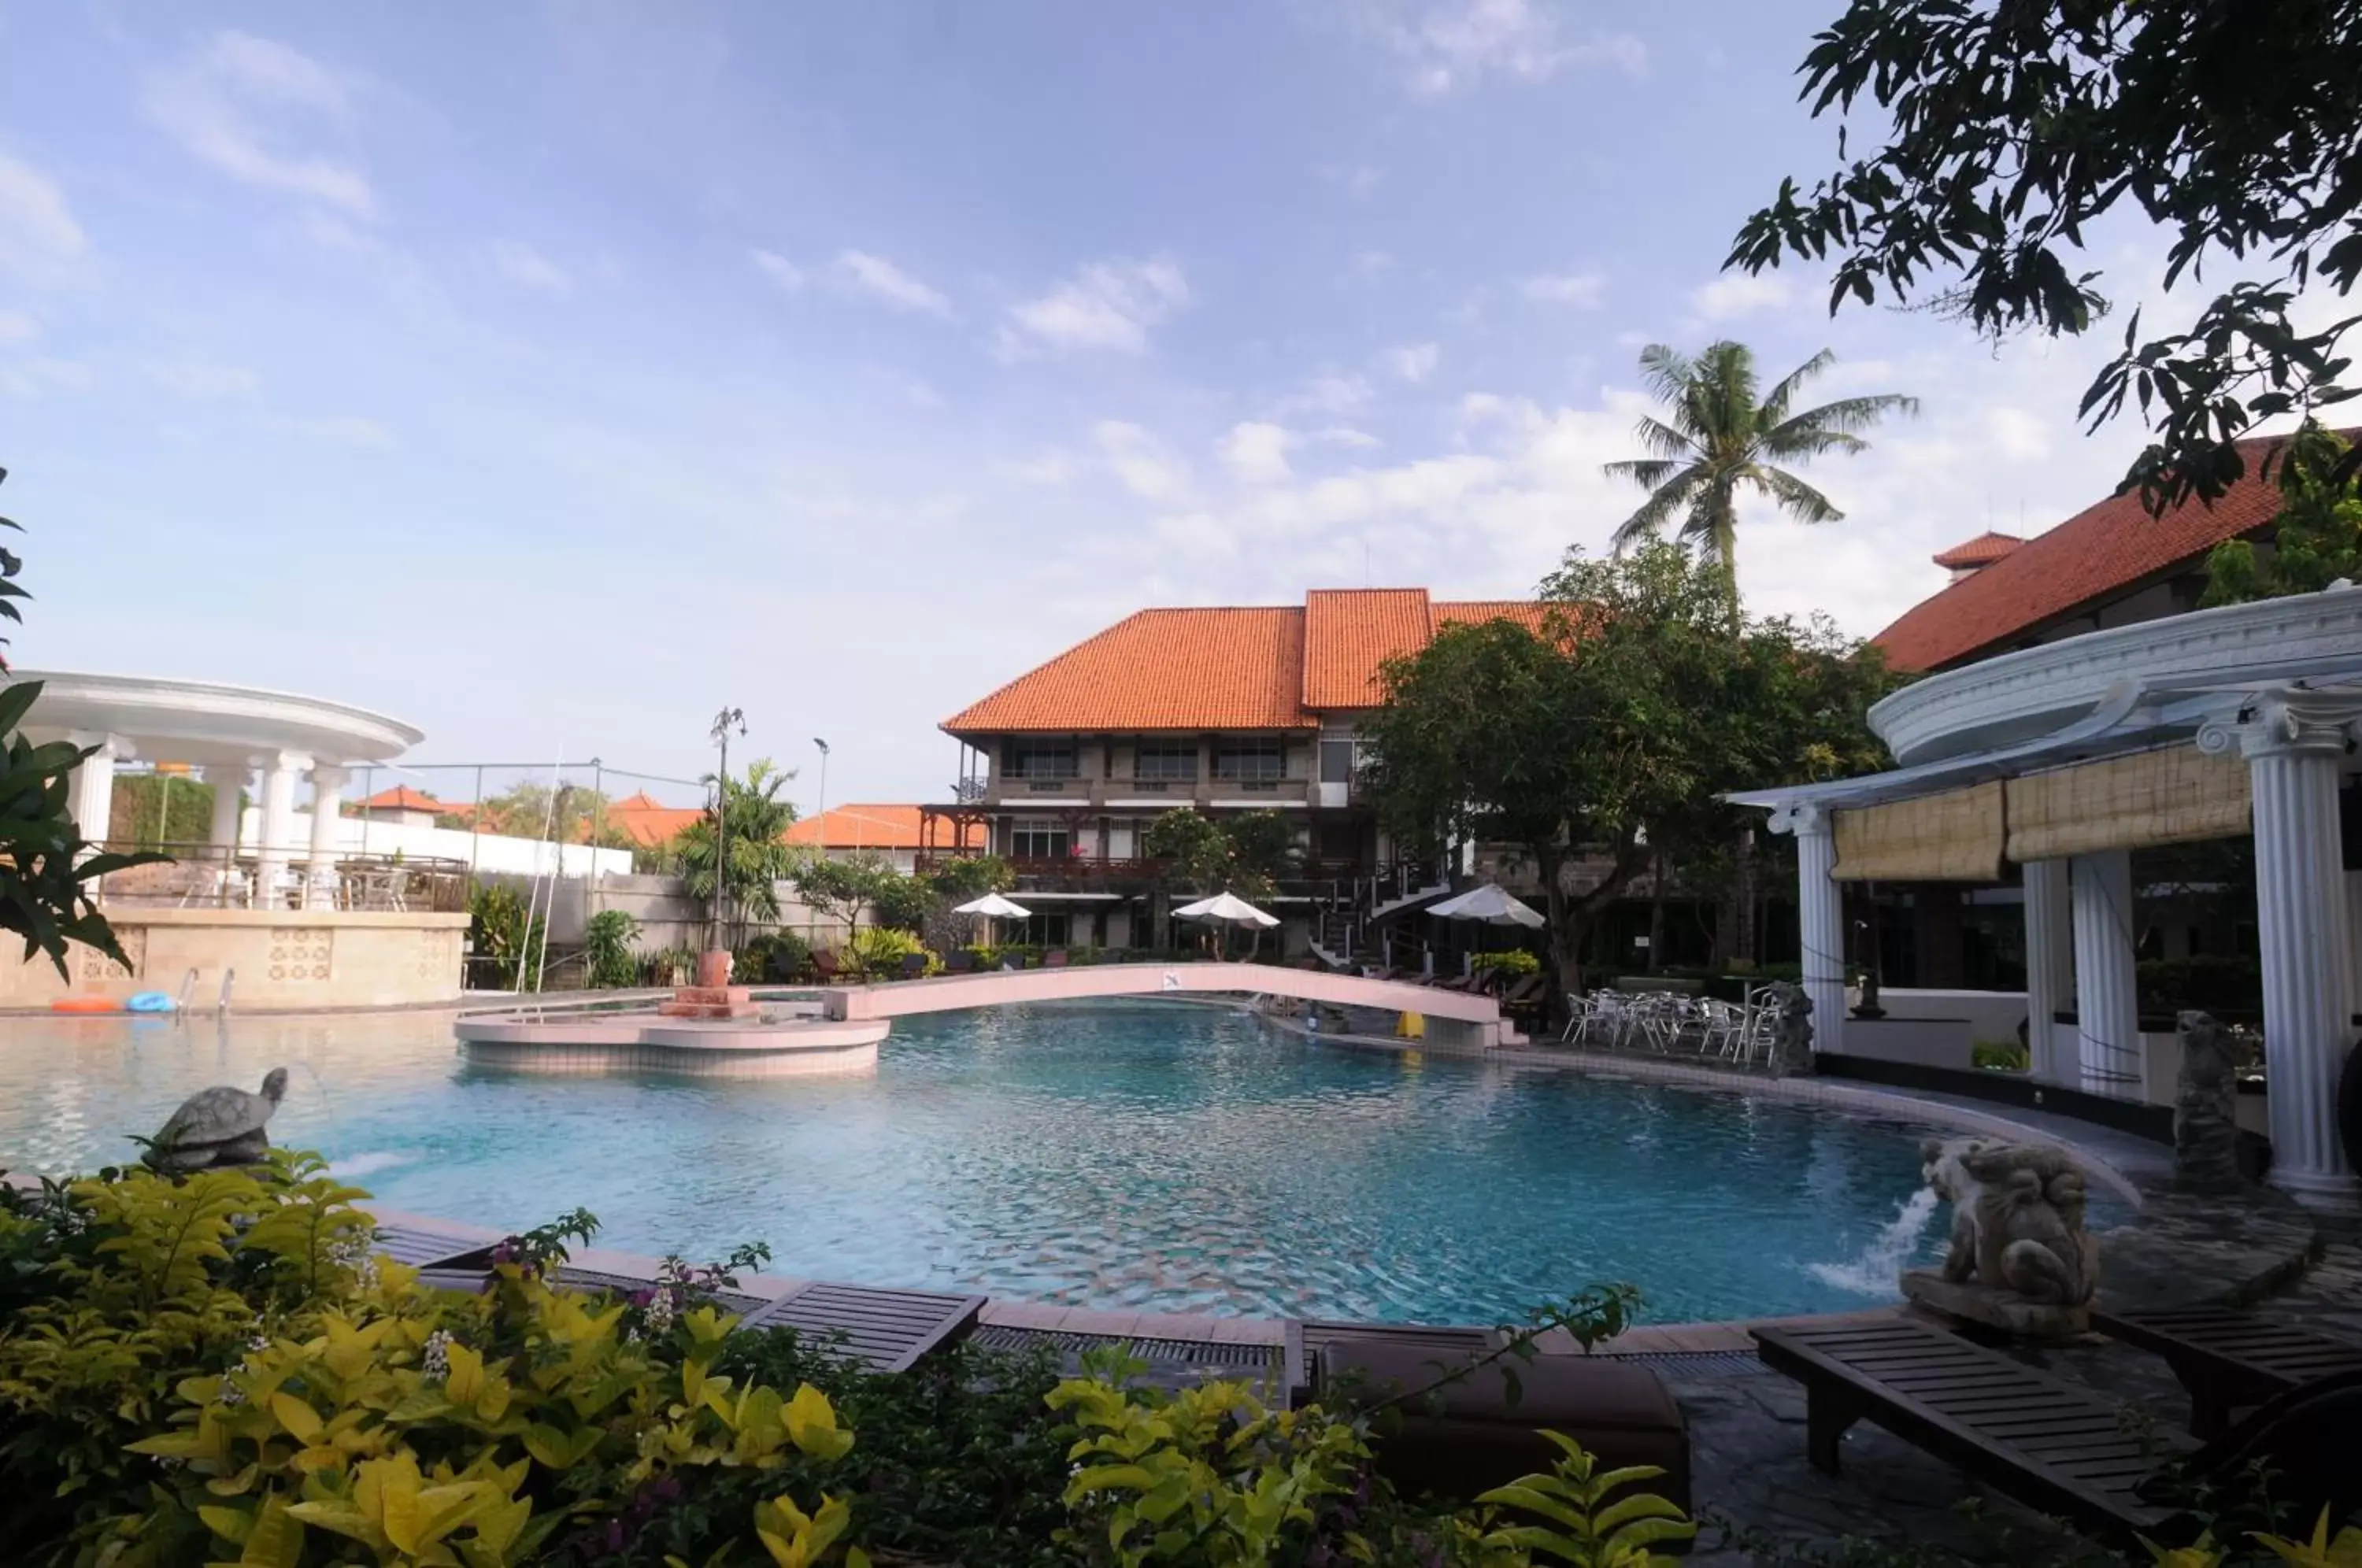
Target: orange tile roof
[
  {"x": 403, "y": 797},
  {"x": 2097, "y": 554},
  {"x": 1350, "y": 632},
  {"x": 881, "y": 827},
  {"x": 1983, "y": 550},
  {"x": 649, "y": 822},
  {"x": 1274, "y": 668},
  {"x": 1161, "y": 669}
]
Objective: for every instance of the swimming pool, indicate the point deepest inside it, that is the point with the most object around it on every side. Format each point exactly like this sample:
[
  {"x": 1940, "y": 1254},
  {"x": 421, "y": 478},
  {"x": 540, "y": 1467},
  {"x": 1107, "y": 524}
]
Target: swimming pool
[{"x": 1162, "y": 1156}]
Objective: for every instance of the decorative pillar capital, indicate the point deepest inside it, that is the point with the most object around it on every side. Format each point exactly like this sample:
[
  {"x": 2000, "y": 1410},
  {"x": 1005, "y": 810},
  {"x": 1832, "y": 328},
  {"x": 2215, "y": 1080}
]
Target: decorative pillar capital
[
  {"x": 289, "y": 762},
  {"x": 2286, "y": 722},
  {"x": 1806, "y": 819},
  {"x": 328, "y": 777},
  {"x": 110, "y": 747}
]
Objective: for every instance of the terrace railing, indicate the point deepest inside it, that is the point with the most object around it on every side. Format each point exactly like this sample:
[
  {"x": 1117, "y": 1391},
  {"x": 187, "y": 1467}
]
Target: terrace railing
[{"x": 209, "y": 876}]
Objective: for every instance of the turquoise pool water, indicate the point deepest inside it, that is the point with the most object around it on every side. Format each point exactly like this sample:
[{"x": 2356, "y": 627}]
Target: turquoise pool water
[{"x": 1167, "y": 1157}]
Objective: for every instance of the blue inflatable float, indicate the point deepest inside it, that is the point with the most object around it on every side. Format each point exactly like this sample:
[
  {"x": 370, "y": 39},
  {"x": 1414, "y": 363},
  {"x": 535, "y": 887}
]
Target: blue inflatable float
[{"x": 150, "y": 1002}]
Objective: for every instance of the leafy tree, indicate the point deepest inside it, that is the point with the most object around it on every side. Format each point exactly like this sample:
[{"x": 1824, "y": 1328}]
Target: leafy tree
[
  {"x": 1719, "y": 435},
  {"x": 1244, "y": 854},
  {"x": 1607, "y": 740},
  {"x": 903, "y": 904},
  {"x": 153, "y": 810},
  {"x": 607, "y": 942},
  {"x": 48, "y": 872},
  {"x": 2004, "y": 133},
  {"x": 843, "y": 888},
  {"x": 2316, "y": 538},
  {"x": 571, "y": 813},
  {"x": 971, "y": 876},
  {"x": 759, "y": 856}
]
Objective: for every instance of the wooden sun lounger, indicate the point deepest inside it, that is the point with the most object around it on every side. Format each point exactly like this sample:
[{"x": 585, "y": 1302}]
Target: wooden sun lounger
[
  {"x": 1301, "y": 1341},
  {"x": 421, "y": 1248},
  {"x": 890, "y": 1329},
  {"x": 2052, "y": 1445},
  {"x": 2228, "y": 1360}
]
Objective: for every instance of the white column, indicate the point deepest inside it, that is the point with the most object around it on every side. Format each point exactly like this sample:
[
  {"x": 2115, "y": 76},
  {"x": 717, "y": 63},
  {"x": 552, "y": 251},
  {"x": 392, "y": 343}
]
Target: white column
[
  {"x": 228, "y": 780},
  {"x": 1820, "y": 915},
  {"x": 2294, "y": 742},
  {"x": 279, "y": 771},
  {"x": 92, "y": 792},
  {"x": 328, "y": 797},
  {"x": 2050, "y": 971},
  {"x": 2107, "y": 1001}
]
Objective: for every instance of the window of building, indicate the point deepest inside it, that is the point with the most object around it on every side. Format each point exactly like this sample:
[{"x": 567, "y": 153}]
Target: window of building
[
  {"x": 1040, "y": 759},
  {"x": 1251, "y": 762},
  {"x": 1039, "y": 838},
  {"x": 1041, "y": 930},
  {"x": 1166, "y": 760},
  {"x": 1337, "y": 762}
]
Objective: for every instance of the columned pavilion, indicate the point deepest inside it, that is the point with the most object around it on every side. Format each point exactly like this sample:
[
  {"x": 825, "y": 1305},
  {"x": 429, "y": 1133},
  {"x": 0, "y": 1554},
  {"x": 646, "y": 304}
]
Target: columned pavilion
[
  {"x": 2053, "y": 763},
  {"x": 234, "y": 734}
]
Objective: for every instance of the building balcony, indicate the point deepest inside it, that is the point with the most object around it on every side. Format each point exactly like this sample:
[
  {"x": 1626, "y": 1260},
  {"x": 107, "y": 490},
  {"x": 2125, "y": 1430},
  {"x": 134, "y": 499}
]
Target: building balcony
[{"x": 1149, "y": 794}]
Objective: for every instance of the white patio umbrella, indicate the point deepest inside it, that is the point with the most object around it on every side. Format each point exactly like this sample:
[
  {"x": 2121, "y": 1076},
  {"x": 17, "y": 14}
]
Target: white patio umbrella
[
  {"x": 992, "y": 906},
  {"x": 1491, "y": 905},
  {"x": 1226, "y": 909}
]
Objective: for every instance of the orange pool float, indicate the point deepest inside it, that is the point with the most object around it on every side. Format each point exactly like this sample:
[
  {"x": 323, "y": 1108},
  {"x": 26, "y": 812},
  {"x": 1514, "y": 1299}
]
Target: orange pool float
[{"x": 85, "y": 1004}]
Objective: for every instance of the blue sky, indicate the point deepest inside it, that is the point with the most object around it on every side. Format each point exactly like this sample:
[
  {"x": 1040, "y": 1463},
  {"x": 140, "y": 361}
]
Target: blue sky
[{"x": 548, "y": 375}]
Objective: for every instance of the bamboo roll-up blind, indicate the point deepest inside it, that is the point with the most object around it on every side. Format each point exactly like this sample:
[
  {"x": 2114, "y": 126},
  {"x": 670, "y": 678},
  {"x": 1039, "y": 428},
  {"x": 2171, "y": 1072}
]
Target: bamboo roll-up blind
[
  {"x": 2171, "y": 796},
  {"x": 1953, "y": 837}
]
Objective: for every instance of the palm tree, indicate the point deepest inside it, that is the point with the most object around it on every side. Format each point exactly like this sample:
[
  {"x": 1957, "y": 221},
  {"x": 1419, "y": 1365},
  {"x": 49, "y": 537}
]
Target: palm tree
[{"x": 1717, "y": 436}]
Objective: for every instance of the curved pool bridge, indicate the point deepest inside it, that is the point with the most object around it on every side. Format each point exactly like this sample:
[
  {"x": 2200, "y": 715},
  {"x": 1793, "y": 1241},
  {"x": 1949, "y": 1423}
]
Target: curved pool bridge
[{"x": 1458, "y": 1017}]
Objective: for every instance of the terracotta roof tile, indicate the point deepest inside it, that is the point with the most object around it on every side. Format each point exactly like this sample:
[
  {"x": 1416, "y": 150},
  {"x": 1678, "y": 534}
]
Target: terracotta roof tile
[
  {"x": 1983, "y": 550},
  {"x": 1350, "y": 632},
  {"x": 878, "y": 827},
  {"x": 1530, "y": 613},
  {"x": 2099, "y": 552},
  {"x": 1160, "y": 669},
  {"x": 1260, "y": 669},
  {"x": 646, "y": 821},
  {"x": 403, "y": 797}
]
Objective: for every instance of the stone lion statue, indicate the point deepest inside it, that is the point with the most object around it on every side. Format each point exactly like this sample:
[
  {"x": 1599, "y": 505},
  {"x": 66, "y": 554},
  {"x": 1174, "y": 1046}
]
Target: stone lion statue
[
  {"x": 2017, "y": 1218},
  {"x": 1791, "y": 1028}
]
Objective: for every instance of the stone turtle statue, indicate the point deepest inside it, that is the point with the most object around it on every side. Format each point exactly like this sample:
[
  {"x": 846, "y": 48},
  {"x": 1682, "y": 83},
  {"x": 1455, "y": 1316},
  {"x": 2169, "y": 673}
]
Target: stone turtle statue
[
  {"x": 2017, "y": 1218},
  {"x": 219, "y": 1126}
]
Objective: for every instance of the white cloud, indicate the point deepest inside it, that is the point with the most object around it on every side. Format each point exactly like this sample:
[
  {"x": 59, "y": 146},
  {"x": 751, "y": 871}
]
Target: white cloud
[
  {"x": 1048, "y": 469},
  {"x": 1345, "y": 436},
  {"x": 2018, "y": 434},
  {"x": 1370, "y": 263},
  {"x": 778, "y": 269},
  {"x": 1735, "y": 294},
  {"x": 1256, "y": 452},
  {"x": 1580, "y": 290},
  {"x": 528, "y": 269},
  {"x": 198, "y": 380},
  {"x": 884, "y": 281},
  {"x": 916, "y": 390},
  {"x": 16, "y": 327},
  {"x": 239, "y": 101},
  {"x": 1414, "y": 361},
  {"x": 1141, "y": 461},
  {"x": 1459, "y": 42},
  {"x": 1108, "y": 305},
  {"x": 40, "y": 378},
  {"x": 346, "y": 430},
  {"x": 37, "y": 232},
  {"x": 1360, "y": 181},
  {"x": 1330, "y": 394}
]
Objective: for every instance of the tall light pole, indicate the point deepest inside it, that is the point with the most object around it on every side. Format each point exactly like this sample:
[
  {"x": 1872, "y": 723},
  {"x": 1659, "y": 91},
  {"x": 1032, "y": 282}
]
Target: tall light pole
[
  {"x": 822, "y": 814},
  {"x": 724, "y": 722}
]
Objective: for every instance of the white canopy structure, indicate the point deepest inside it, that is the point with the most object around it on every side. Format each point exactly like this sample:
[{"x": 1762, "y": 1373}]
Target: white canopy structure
[
  {"x": 1227, "y": 909},
  {"x": 2062, "y": 758},
  {"x": 1490, "y": 905}
]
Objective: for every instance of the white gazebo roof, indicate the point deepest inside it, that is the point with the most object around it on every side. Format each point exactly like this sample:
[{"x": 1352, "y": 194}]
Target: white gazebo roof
[
  {"x": 202, "y": 720},
  {"x": 2097, "y": 695}
]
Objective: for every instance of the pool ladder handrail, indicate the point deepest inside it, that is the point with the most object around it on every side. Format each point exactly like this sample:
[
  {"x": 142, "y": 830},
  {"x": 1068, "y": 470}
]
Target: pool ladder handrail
[{"x": 229, "y": 978}]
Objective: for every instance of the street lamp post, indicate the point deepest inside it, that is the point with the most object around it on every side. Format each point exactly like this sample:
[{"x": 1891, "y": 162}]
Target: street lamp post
[
  {"x": 724, "y": 722},
  {"x": 822, "y": 827}
]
